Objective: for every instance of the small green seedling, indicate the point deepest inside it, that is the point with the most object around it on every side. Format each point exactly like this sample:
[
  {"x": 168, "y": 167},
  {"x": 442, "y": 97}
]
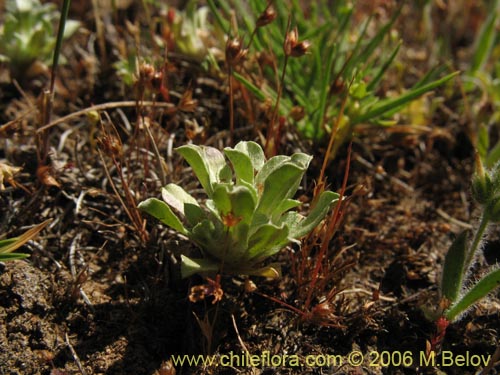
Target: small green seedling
[
  {"x": 28, "y": 33},
  {"x": 246, "y": 219},
  {"x": 9, "y": 245},
  {"x": 460, "y": 256}
]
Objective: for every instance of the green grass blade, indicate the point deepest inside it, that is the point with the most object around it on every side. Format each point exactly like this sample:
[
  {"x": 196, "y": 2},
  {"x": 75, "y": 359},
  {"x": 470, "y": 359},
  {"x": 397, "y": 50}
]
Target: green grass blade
[
  {"x": 224, "y": 25},
  {"x": 259, "y": 94},
  {"x": 60, "y": 37},
  {"x": 12, "y": 256},
  {"x": 378, "y": 76},
  {"x": 391, "y": 104},
  {"x": 493, "y": 156},
  {"x": 480, "y": 290},
  {"x": 485, "y": 41}
]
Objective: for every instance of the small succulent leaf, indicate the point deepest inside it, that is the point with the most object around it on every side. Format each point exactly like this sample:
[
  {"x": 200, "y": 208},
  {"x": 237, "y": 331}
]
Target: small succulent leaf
[
  {"x": 242, "y": 165},
  {"x": 315, "y": 216},
  {"x": 280, "y": 185},
  {"x": 176, "y": 197},
  {"x": 453, "y": 269},
  {"x": 269, "y": 167},
  {"x": 194, "y": 214},
  {"x": 206, "y": 162},
  {"x": 190, "y": 266},
  {"x": 254, "y": 152},
  {"x": 161, "y": 211},
  {"x": 266, "y": 241},
  {"x": 478, "y": 291}
]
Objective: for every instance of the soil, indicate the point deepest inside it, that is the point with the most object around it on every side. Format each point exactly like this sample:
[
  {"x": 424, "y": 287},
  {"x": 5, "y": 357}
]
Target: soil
[{"x": 99, "y": 294}]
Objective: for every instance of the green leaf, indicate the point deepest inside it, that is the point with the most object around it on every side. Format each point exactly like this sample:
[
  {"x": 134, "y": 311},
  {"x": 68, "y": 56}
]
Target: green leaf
[
  {"x": 317, "y": 214},
  {"x": 453, "y": 269},
  {"x": 237, "y": 201},
  {"x": 287, "y": 205},
  {"x": 271, "y": 165},
  {"x": 190, "y": 266},
  {"x": 480, "y": 290},
  {"x": 210, "y": 236},
  {"x": 254, "y": 152},
  {"x": 280, "y": 185},
  {"x": 243, "y": 203},
  {"x": 161, "y": 211},
  {"x": 206, "y": 162},
  {"x": 266, "y": 241},
  {"x": 221, "y": 199},
  {"x": 194, "y": 214},
  {"x": 177, "y": 197},
  {"x": 301, "y": 160},
  {"x": 242, "y": 165}
]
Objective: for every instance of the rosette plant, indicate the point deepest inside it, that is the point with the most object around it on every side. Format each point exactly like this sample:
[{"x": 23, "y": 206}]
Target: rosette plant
[{"x": 248, "y": 215}]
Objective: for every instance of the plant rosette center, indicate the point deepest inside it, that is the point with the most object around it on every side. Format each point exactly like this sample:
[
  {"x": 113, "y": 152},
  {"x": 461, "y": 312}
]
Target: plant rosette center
[{"x": 248, "y": 216}]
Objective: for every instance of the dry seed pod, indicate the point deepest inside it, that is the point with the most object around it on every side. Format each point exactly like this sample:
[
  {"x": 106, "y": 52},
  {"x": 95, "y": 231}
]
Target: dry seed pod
[
  {"x": 267, "y": 16},
  {"x": 293, "y": 47},
  {"x": 235, "y": 52}
]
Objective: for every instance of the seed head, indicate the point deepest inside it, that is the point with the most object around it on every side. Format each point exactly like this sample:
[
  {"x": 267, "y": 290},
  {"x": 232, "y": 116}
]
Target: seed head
[
  {"x": 293, "y": 47},
  {"x": 267, "y": 16},
  {"x": 235, "y": 52}
]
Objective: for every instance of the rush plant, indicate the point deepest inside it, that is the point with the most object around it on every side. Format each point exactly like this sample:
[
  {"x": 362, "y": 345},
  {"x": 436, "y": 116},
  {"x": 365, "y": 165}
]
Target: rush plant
[
  {"x": 248, "y": 215},
  {"x": 456, "y": 288},
  {"x": 344, "y": 62}
]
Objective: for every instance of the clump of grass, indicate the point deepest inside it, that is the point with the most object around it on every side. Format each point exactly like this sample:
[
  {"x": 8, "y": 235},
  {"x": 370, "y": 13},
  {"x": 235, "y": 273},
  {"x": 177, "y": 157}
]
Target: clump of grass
[{"x": 345, "y": 62}]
